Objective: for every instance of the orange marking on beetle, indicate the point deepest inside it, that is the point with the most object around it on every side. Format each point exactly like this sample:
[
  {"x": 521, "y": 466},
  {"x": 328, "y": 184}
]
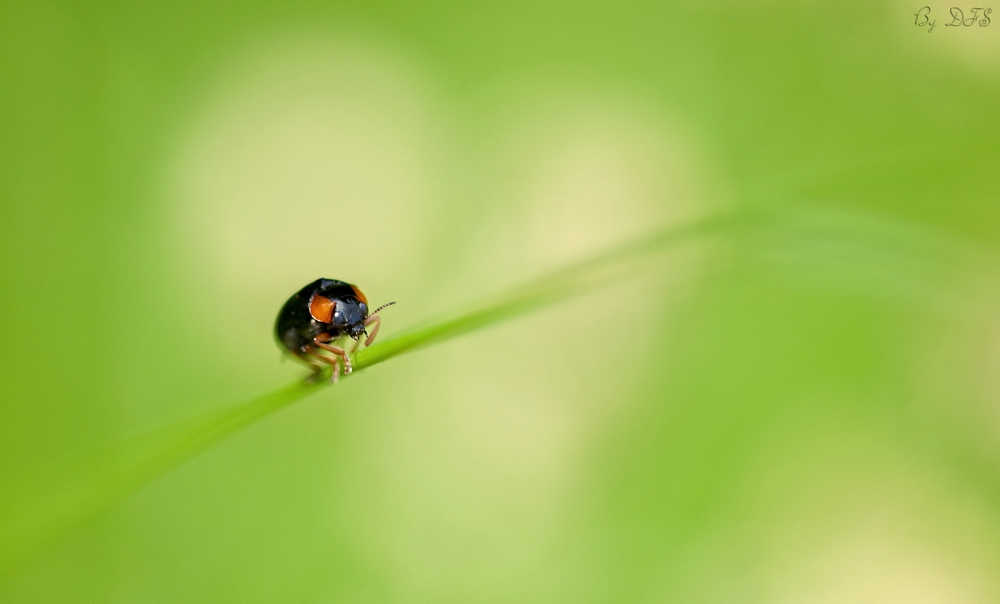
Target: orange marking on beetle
[
  {"x": 321, "y": 308},
  {"x": 359, "y": 295}
]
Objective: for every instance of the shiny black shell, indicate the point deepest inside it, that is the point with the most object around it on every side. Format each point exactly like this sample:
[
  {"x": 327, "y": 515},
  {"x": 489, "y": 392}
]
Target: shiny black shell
[{"x": 296, "y": 326}]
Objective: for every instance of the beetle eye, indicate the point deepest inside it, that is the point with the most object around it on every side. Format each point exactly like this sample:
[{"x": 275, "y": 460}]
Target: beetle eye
[{"x": 364, "y": 308}]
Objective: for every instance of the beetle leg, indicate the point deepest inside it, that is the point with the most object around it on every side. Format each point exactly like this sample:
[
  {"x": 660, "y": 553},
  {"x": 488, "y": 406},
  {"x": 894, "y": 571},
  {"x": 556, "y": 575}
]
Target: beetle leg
[
  {"x": 316, "y": 368},
  {"x": 321, "y": 341},
  {"x": 371, "y": 337},
  {"x": 340, "y": 352},
  {"x": 333, "y": 362},
  {"x": 377, "y": 320}
]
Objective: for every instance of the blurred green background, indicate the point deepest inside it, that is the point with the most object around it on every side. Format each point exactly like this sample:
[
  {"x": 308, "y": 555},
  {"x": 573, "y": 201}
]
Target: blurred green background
[{"x": 810, "y": 418}]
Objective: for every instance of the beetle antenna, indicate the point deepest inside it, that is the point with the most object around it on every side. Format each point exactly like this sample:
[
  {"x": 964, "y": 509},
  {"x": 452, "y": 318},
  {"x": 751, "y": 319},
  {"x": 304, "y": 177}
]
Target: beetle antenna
[{"x": 383, "y": 306}]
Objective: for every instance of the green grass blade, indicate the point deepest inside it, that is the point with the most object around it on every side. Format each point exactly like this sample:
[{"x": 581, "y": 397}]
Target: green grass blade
[
  {"x": 36, "y": 512},
  {"x": 604, "y": 269}
]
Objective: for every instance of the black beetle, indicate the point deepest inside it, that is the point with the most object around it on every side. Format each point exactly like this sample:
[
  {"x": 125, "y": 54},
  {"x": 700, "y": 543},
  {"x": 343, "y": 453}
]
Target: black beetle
[{"x": 321, "y": 312}]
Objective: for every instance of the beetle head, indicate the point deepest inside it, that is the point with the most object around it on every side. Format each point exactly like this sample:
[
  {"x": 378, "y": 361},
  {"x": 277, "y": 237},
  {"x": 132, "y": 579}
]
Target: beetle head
[{"x": 349, "y": 315}]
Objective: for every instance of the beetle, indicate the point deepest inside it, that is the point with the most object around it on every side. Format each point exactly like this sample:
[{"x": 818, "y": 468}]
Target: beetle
[{"x": 320, "y": 313}]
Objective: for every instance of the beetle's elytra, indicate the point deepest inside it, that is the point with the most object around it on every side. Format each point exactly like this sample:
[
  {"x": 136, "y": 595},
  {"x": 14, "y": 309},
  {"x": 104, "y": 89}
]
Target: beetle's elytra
[{"x": 320, "y": 313}]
